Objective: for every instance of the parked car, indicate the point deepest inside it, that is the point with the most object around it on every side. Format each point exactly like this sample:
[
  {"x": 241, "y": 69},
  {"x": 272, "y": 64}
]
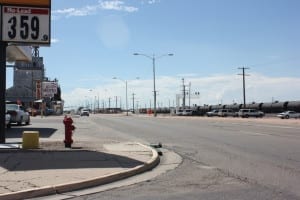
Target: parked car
[
  {"x": 187, "y": 112},
  {"x": 212, "y": 113},
  {"x": 179, "y": 112},
  {"x": 85, "y": 112},
  {"x": 17, "y": 114},
  {"x": 7, "y": 120},
  {"x": 250, "y": 113},
  {"x": 226, "y": 112},
  {"x": 49, "y": 111},
  {"x": 288, "y": 114}
]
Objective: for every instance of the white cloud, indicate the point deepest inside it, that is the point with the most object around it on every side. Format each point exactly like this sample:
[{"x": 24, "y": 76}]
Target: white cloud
[
  {"x": 150, "y": 1},
  {"x": 215, "y": 89},
  {"x": 69, "y": 12},
  {"x": 115, "y": 5},
  {"x": 54, "y": 40},
  {"x": 153, "y": 1}
]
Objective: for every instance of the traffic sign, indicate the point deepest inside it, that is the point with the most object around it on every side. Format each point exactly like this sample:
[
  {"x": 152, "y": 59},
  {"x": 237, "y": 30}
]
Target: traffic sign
[{"x": 22, "y": 24}]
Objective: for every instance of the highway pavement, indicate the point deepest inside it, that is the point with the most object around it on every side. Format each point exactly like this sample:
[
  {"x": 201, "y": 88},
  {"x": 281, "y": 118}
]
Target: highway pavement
[{"x": 222, "y": 158}]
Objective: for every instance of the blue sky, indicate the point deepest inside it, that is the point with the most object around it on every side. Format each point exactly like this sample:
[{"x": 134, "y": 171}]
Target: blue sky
[{"x": 93, "y": 41}]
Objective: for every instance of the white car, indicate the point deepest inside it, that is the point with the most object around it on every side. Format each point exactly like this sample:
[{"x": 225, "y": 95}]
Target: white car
[
  {"x": 288, "y": 114},
  {"x": 227, "y": 112},
  {"x": 17, "y": 114},
  {"x": 212, "y": 113},
  {"x": 179, "y": 112},
  {"x": 250, "y": 113},
  {"x": 187, "y": 112},
  {"x": 85, "y": 112},
  {"x": 7, "y": 120}
]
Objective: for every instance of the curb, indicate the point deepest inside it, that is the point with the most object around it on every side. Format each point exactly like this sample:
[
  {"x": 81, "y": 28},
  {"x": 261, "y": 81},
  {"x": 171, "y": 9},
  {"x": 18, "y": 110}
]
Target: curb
[{"x": 101, "y": 180}]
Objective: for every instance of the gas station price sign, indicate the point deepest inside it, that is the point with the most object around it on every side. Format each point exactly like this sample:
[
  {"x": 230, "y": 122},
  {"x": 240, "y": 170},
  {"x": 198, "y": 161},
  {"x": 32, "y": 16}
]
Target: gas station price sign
[{"x": 26, "y": 22}]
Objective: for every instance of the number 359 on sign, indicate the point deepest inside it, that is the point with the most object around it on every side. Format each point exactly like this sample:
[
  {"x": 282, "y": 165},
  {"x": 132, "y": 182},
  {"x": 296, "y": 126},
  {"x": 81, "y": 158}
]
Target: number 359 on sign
[{"x": 26, "y": 24}]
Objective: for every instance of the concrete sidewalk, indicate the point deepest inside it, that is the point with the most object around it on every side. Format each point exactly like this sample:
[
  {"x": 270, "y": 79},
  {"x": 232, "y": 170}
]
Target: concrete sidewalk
[{"x": 53, "y": 169}]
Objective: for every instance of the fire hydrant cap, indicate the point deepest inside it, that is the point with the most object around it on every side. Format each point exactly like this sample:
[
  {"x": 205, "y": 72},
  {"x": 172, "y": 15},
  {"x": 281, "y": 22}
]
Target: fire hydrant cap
[{"x": 68, "y": 120}]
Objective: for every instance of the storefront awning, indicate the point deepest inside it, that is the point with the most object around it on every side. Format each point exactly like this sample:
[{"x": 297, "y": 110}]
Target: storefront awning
[{"x": 18, "y": 53}]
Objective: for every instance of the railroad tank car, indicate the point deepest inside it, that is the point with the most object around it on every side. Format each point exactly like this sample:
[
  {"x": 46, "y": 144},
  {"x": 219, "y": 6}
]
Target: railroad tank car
[
  {"x": 293, "y": 105},
  {"x": 274, "y": 107}
]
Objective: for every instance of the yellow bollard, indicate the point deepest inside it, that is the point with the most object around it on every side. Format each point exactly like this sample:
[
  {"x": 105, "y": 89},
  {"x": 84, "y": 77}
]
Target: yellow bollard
[{"x": 30, "y": 139}]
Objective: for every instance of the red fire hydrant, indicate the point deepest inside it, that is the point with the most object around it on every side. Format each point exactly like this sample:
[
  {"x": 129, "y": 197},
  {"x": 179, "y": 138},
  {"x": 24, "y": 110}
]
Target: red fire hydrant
[{"x": 69, "y": 128}]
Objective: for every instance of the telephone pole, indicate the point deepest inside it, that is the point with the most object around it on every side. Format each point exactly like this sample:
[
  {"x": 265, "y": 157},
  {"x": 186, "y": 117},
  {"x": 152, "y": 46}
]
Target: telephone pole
[
  {"x": 183, "y": 94},
  {"x": 244, "y": 87},
  {"x": 109, "y": 102},
  {"x": 116, "y": 101},
  {"x": 133, "y": 102}
]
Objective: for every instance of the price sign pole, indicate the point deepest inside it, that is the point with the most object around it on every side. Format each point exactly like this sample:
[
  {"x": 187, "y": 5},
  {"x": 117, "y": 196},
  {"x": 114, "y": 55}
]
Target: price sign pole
[
  {"x": 3, "y": 46},
  {"x": 22, "y": 23}
]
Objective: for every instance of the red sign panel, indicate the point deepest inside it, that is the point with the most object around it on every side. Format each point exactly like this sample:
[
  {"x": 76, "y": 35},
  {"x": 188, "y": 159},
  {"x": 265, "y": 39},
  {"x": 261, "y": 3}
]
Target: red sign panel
[
  {"x": 45, "y": 3},
  {"x": 38, "y": 92}
]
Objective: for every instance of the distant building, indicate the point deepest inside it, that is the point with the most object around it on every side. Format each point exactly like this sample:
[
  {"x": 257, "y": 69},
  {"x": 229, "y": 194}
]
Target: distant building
[
  {"x": 28, "y": 78},
  {"x": 25, "y": 78}
]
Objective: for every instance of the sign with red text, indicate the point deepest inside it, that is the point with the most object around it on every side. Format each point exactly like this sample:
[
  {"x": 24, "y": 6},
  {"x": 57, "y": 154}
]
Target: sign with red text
[
  {"x": 49, "y": 89},
  {"x": 26, "y": 24},
  {"x": 27, "y": 2},
  {"x": 38, "y": 93}
]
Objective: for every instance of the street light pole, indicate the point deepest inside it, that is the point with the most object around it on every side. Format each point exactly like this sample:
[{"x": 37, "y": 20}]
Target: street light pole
[
  {"x": 126, "y": 94},
  {"x": 153, "y": 57},
  {"x": 126, "y": 99},
  {"x": 154, "y": 88}
]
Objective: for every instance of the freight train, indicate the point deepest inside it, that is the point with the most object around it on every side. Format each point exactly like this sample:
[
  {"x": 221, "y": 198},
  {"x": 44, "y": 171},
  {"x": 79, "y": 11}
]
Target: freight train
[{"x": 273, "y": 107}]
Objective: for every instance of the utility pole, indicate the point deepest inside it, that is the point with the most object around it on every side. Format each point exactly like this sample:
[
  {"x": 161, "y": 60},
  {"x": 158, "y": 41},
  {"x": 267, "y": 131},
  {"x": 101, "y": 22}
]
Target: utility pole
[
  {"x": 133, "y": 101},
  {"x": 109, "y": 103},
  {"x": 98, "y": 103},
  {"x": 121, "y": 103},
  {"x": 116, "y": 101},
  {"x": 244, "y": 87},
  {"x": 190, "y": 84},
  {"x": 183, "y": 98}
]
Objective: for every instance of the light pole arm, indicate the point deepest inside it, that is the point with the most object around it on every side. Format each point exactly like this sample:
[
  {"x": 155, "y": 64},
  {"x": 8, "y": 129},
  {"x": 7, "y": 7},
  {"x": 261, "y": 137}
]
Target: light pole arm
[
  {"x": 141, "y": 54},
  {"x": 153, "y": 56}
]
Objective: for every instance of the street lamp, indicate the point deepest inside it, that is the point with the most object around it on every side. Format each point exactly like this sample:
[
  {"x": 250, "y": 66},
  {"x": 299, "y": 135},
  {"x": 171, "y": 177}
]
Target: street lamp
[
  {"x": 90, "y": 106},
  {"x": 153, "y": 57},
  {"x": 126, "y": 94}
]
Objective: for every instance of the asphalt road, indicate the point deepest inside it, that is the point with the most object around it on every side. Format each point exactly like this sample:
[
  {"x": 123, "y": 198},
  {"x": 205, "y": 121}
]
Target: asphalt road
[{"x": 223, "y": 158}]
